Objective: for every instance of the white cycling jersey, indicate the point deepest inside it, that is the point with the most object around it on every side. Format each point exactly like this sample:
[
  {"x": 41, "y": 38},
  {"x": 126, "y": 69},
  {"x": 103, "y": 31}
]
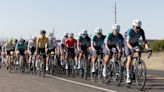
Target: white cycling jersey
[
  {"x": 52, "y": 43},
  {"x": 31, "y": 44}
]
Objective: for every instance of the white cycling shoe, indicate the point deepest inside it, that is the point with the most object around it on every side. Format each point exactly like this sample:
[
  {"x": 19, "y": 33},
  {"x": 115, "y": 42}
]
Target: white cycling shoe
[
  {"x": 104, "y": 73},
  {"x": 93, "y": 69},
  {"x": 46, "y": 67},
  {"x": 128, "y": 80}
]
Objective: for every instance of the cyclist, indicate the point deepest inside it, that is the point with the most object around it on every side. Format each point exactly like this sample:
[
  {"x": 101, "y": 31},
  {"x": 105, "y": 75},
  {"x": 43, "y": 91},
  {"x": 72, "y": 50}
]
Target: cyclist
[
  {"x": 52, "y": 44},
  {"x": 70, "y": 44},
  {"x": 9, "y": 49},
  {"x": 3, "y": 54},
  {"x": 31, "y": 48},
  {"x": 113, "y": 40},
  {"x": 42, "y": 42},
  {"x": 21, "y": 49},
  {"x": 97, "y": 44},
  {"x": 132, "y": 40},
  {"x": 84, "y": 43},
  {"x": 63, "y": 49}
]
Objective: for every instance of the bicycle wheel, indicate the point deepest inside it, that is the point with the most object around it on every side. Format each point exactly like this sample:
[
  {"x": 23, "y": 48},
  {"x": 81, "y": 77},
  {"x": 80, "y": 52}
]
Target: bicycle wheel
[
  {"x": 9, "y": 65},
  {"x": 72, "y": 69},
  {"x": 124, "y": 75},
  {"x": 93, "y": 74},
  {"x": 117, "y": 73},
  {"x": 81, "y": 70},
  {"x": 140, "y": 74},
  {"x": 43, "y": 68},
  {"x": 108, "y": 77},
  {"x": 100, "y": 70},
  {"x": 86, "y": 69}
]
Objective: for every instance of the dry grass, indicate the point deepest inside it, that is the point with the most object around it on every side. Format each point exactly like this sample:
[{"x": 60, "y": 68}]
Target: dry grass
[{"x": 156, "y": 62}]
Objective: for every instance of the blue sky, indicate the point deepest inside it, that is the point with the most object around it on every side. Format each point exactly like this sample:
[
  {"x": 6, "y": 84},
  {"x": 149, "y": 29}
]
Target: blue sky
[{"x": 27, "y": 17}]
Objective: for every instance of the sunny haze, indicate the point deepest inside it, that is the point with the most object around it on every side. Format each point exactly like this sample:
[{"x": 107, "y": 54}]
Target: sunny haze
[{"x": 24, "y": 18}]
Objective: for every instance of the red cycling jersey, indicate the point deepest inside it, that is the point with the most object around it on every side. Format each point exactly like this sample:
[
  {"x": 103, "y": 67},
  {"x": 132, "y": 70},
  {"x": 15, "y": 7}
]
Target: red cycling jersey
[{"x": 70, "y": 43}]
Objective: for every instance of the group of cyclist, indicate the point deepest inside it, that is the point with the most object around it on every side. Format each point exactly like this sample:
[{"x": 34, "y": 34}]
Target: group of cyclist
[{"x": 69, "y": 45}]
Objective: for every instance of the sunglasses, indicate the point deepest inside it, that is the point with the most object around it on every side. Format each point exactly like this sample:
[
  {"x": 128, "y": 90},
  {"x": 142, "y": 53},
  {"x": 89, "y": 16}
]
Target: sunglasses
[
  {"x": 99, "y": 33},
  {"x": 138, "y": 28}
]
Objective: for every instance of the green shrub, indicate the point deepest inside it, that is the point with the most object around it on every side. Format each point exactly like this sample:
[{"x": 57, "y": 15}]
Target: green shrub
[{"x": 157, "y": 45}]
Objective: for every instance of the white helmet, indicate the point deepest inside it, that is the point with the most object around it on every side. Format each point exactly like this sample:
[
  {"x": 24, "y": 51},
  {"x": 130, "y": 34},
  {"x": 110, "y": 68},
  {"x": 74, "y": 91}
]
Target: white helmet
[
  {"x": 51, "y": 34},
  {"x": 65, "y": 34},
  {"x": 71, "y": 35},
  {"x": 116, "y": 27},
  {"x": 98, "y": 30},
  {"x": 84, "y": 31},
  {"x": 137, "y": 23},
  {"x": 33, "y": 38},
  {"x": 79, "y": 33}
]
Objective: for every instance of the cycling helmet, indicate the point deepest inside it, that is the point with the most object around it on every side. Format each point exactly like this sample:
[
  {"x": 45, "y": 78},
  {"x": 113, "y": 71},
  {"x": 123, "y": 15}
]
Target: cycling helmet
[
  {"x": 33, "y": 38},
  {"x": 116, "y": 28},
  {"x": 98, "y": 30},
  {"x": 65, "y": 34},
  {"x": 71, "y": 35},
  {"x": 137, "y": 23},
  {"x": 42, "y": 32},
  {"x": 84, "y": 32},
  {"x": 79, "y": 33},
  {"x": 51, "y": 34}
]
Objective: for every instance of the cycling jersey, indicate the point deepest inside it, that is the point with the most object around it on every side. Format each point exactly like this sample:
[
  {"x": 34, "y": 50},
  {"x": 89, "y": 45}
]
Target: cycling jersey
[
  {"x": 70, "y": 43},
  {"x": 10, "y": 47},
  {"x": 84, "y": 42},
  {"x": 98, "y": 42},
  {"x": 52, "y": 43},
  {"x": 32, "y": 46},
  {"x": 133, "y": 38},
  {"x": 21, "y": 46},
  {"x": 112, "y": 40},
  {"x": 63, "y": 40},
  {"x": 42, "y": 41}
]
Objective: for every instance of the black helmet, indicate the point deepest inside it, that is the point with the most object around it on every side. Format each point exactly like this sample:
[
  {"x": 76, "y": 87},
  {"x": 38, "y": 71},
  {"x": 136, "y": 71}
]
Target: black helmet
[{"x": 42, "y": 32}]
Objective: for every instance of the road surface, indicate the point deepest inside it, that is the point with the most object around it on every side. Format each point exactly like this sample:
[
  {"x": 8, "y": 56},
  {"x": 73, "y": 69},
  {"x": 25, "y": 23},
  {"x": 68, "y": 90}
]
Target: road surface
[{"x": 15, "y": 82}]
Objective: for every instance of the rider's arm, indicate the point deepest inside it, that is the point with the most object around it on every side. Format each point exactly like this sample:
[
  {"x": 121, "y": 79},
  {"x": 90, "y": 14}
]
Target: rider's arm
[
  {"x": 128, "y": 40},
  {"x": 78, "y": 43},
  {"x": 37, "y": 45},
  {"x": 107, "y": 42},
  {"x": 47, "y": 45},
  {"x": 28, "y": 46},
  {"x": 92, "y": 43},
  {"x": 16, "y": 47},
  {"x": 144, "y": 40},
  {"x": 89, "y": 42}
]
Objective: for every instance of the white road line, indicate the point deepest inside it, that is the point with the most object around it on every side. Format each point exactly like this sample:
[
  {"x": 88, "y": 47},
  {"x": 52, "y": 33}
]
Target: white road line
[{"x": 82, "y": 84}]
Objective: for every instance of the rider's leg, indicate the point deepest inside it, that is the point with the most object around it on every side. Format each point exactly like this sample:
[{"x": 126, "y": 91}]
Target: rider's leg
[
  {"x": 47, "y": 59},
  {"x": 94, "y": 57},
  {"x": 62, "y": 58},
  {"x": 66, "y": 58},
  {"x": 79, "y": 60},
  {"x": 128, "y": 65},
  {"x": 106, "y": 61}
]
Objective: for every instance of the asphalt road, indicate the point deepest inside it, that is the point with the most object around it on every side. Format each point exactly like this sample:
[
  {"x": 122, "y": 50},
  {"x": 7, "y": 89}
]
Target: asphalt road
[{"x": 15, "y": 82}]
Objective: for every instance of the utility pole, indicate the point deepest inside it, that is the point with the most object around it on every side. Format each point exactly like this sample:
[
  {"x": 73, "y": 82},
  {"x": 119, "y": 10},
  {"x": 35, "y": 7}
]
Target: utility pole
[{"x": 115, "y": 12}]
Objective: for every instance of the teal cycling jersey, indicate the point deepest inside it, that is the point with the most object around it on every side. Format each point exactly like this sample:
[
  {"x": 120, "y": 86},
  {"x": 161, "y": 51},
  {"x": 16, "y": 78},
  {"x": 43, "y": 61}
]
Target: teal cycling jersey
[
  {"x": 98, "y": 42},
  {"x": 84, "y": 41},
  {"x": 112, "y": 40},
  {"x": 133, "y": 37},
  {"x": 21, "y": 46}
]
